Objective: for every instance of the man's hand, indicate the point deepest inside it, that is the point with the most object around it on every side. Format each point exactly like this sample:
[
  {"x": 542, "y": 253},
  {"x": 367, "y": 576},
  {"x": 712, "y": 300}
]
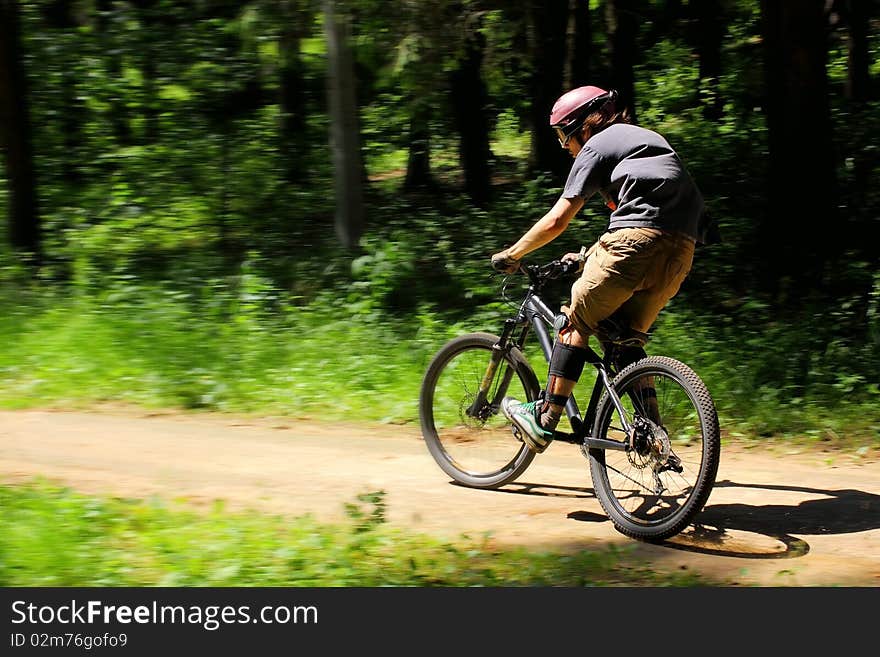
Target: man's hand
[
  {"x": 579, "y": 257},
  {"x": 501, "y": 262}
]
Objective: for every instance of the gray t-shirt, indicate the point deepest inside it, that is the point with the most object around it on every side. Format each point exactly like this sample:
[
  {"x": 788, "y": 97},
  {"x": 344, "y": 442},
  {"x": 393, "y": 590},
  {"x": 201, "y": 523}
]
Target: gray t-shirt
[{"x": 642, "y": 174}]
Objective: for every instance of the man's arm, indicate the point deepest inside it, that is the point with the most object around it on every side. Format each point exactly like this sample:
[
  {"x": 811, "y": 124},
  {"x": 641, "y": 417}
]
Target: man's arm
[{"x": 547, "y": 228}]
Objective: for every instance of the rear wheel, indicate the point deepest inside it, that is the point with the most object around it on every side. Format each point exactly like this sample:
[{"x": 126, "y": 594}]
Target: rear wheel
[
  {"x": 472, "y": 443},
  {"x": 653, "y": 490}
]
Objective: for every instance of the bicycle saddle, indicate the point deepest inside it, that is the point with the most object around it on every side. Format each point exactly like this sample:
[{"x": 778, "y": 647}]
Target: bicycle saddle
[{"x": 613, "y": 331}]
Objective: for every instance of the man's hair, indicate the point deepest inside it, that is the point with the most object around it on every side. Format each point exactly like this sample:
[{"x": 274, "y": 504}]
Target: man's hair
[{"x": 603, "y": 117}]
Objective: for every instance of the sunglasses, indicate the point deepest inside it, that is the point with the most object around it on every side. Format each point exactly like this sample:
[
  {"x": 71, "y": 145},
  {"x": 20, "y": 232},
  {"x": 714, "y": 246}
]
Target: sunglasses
[
  {"x": 561, "y": 136},
  {"x": 565, "y": 137}
]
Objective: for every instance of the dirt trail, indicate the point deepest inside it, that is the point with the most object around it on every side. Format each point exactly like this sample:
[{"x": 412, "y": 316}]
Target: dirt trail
[{"x": 777, "y": 517}]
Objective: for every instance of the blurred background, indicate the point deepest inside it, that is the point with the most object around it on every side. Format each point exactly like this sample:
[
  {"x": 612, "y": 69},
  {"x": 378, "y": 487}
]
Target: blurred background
[{"x": 287, "y": 206}]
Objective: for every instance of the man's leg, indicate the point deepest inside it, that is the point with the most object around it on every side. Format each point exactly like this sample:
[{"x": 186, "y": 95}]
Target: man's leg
[
  {"x": 643, "y": 390},
  {"x": 537, "y": 420},
  {"x": 566, "y": 365},
  {"x": 662, "y": 282}
]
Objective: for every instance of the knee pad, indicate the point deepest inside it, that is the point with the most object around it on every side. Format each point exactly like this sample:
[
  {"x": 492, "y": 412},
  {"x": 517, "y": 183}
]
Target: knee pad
[{"x": 567, "y": 361}]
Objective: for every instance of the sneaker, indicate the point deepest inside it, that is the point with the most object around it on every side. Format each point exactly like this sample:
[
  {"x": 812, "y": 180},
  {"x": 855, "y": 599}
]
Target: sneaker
[{"x": 526, "y": 419}]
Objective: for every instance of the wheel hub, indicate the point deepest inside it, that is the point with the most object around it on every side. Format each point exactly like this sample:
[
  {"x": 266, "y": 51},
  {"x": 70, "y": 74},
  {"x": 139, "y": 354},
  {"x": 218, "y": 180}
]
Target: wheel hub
[{"x": 648, "y": 444}]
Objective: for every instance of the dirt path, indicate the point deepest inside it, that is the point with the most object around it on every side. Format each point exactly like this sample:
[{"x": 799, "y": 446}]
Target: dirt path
[{"x": 775, "y": 518}]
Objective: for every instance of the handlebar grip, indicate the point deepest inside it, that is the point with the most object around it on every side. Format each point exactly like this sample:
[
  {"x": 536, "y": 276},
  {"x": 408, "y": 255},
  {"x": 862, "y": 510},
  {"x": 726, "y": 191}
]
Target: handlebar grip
[
  {"x": 539, "y": 274},
  {"x": 504, "y": 264},
  {"x": 569, "y": 266},
  {"x": 558, "y": 268}
]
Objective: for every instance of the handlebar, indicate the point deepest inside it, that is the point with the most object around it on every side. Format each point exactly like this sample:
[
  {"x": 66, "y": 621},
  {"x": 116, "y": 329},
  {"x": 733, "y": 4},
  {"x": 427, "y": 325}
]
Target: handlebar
[{"x": 540, "y": 274}]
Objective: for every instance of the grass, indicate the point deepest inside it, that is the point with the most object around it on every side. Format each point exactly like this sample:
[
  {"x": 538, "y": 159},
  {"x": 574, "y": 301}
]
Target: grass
[
  {"x": 156, "y": 349},
  {"x": 51, "y": 536},
  {"x": 159, "y": 352}
]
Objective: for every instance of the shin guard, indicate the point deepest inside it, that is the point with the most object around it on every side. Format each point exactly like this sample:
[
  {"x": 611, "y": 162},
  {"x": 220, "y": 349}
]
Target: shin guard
[{"x": 567, "y": 362}]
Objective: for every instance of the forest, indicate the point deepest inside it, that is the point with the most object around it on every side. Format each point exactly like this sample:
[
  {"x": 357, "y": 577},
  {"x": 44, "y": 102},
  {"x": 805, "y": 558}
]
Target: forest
[{"x": 288, "y": 205}]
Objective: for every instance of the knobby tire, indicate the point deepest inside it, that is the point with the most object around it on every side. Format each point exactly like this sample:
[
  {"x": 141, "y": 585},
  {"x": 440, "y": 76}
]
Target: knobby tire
[
  {"x": 635, "y": 511},
  {"x": 479, "y": 454}
]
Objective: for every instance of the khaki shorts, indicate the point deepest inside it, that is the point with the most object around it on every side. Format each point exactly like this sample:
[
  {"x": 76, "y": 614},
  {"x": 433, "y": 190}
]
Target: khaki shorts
[{"x": 632, "y": 273}]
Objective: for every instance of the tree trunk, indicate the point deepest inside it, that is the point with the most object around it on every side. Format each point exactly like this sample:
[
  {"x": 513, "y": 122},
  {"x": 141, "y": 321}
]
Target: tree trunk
[
  {"x": 710, "y": 31},
  {"x": 858, "y": 80},
  {"x": 15, "y": 136},
  {"x": 856, "y": 16},
  {"x": 623, "y": 25},
  {"x": 291, "y": 84},
  {"x": 61, "y": 16},
  {"x": 469, "y": 101},
  {"x": 418, "y": 163},
  {"x": 118, "y": 114},
  {"x": 798, "y": 230},
  {"x": 579, "y": 45},
  {"x": 665, "y": 22},
  {"x": 344, "y": 130},
  {"x": 548, "y": 21},
  {"x": 148, "y": 14},
  {"x": 861, "y": 216}
]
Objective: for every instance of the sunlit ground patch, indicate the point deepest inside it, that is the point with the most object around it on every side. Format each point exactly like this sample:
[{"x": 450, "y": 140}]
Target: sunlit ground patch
[{"x": 738, "y": 543}]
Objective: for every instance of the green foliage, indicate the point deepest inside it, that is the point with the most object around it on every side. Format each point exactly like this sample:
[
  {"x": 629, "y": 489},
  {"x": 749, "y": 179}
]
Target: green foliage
[
  {"x": 245, "y": 348},
  {"x": 50, "y": 536},
  {"x": 190, "y": 260},
  {"x": 367, "y": 520},
  {"x": 767, "y": 383},
  {"x": 189, "y": 250}
]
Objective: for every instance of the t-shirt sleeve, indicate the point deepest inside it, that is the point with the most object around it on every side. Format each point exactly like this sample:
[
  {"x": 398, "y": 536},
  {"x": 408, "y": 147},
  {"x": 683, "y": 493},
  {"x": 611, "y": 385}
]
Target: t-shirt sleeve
[{"x": 585, "y": 176}]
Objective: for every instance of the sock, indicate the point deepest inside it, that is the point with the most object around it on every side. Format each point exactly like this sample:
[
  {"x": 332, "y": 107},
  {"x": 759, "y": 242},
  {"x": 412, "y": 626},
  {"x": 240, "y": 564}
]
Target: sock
[{"x": 554, "y": 405}]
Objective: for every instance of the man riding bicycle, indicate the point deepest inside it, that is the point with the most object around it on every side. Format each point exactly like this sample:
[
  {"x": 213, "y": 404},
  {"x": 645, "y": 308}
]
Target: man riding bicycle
[{"x": 636, "y": 266}]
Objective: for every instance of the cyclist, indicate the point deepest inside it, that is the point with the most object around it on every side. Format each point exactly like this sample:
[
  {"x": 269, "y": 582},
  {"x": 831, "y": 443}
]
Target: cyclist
[{"x": 636, "y": 266}]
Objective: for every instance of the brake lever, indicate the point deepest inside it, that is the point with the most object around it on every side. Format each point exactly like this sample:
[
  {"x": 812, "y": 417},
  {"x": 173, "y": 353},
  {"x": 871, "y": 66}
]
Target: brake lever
[
  {"x": 570, "y": 267},
  {"x": 558, "y": 268}
]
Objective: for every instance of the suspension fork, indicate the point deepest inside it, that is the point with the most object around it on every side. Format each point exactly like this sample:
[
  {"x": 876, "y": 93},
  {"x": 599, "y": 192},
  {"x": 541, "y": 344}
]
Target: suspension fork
[{"x": 481, "y": 403}]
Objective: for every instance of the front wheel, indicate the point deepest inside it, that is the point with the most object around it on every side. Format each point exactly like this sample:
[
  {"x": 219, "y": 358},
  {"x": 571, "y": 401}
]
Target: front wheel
[
  {"x": 653, "y": 490},
  {"x": 469, "y": 438}
]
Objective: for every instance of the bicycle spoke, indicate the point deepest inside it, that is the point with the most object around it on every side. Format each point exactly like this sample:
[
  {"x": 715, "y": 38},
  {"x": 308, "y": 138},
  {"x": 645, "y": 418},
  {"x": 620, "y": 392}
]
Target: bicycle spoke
[
  {"x": 637, "y": 483},
  {"x": 640, "y": 487},
  {"x": 475, "y": 445}
]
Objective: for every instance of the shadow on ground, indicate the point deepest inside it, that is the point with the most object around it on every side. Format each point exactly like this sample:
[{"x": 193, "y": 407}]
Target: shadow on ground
[
  {"x": 750, "y": 531},
  {"x": 843, "y": 511}
]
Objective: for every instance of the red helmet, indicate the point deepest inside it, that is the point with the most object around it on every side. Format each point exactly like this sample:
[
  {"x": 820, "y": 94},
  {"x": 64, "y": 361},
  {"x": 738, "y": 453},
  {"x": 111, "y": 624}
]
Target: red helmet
[{"x": 572, "y": 108}]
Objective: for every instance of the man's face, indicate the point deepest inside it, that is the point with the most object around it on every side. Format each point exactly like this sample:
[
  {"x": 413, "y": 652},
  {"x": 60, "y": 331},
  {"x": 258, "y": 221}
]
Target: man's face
[{"x": 573, "y": 146}]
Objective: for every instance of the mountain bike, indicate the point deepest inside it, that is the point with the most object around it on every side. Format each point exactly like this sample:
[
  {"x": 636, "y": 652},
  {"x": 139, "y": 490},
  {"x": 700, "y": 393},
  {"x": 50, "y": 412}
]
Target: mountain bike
[{"x": 652, "y": 463}]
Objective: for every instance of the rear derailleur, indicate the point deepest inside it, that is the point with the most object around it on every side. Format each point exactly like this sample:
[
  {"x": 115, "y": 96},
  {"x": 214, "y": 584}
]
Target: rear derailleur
[{"x": 649, "y": 445}]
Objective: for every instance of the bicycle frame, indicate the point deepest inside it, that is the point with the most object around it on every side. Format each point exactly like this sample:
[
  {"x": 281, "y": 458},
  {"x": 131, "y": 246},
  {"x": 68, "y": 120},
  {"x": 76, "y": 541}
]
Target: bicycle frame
[
  {"x": 651, "y": 481},
  {"x": 534, "y": 314}
]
